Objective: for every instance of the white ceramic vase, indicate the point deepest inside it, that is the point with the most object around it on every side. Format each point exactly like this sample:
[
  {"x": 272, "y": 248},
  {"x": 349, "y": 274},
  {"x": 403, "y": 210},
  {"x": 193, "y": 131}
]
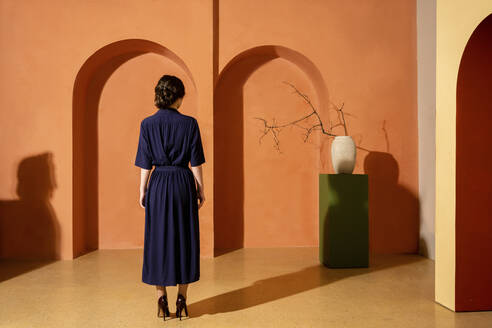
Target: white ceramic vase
[{"x": 343, "y": 154}]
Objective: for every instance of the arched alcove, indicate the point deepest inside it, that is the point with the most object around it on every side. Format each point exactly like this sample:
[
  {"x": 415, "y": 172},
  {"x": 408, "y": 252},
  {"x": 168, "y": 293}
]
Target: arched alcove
[
  {"x": 88, "y": 88},
  {"x": 473, "y": 174},
  {"x": 250, "y": 209}
]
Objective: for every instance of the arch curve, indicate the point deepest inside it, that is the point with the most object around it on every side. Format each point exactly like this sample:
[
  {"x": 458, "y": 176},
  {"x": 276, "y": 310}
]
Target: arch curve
[
  {"x": 264, "y": 53},
  {"x": 473, "y": 176},
  {"x": 87, "y": 89},
  {"x": 229, "y": 148}
]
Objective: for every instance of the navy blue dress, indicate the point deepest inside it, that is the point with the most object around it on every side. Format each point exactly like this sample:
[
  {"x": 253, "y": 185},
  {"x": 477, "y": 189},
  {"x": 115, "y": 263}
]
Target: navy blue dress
[{"x": 169, "y": 140}]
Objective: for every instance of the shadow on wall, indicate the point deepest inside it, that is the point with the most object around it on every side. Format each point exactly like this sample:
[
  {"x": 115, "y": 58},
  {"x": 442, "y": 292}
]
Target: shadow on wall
[
  {"x": 394, "y": 215},
  {"x": 228, "y": 137},
  {"x": 29, "y": 228},
  {"x": 88, "y": 87}
]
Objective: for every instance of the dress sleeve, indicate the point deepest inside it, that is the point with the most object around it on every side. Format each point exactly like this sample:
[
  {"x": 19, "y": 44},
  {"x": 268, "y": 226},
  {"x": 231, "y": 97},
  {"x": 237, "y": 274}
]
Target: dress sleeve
[
  {"x": 143, "y": 158},
  {"x": 197, "y": 157}
]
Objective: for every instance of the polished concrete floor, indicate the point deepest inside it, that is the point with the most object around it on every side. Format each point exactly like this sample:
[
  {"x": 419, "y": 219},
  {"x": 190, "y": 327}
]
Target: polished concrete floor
[{"x": 272, "y": 287}]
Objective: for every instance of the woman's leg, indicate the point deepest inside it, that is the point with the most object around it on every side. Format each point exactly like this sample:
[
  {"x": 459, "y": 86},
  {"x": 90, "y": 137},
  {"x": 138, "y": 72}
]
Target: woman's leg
[
  {"x": 182, "y": 289},
  {"x": 161, "y": 290}
]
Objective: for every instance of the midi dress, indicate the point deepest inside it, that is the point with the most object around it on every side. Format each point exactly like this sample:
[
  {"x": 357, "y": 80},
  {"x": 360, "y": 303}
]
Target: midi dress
[{"x": 169, "y": 140}]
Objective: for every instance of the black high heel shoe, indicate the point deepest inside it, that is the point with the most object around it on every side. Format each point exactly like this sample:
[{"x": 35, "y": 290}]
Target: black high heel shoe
[
  {"x": 180, "y": 305},
  {"x": 163, "y": 307}
]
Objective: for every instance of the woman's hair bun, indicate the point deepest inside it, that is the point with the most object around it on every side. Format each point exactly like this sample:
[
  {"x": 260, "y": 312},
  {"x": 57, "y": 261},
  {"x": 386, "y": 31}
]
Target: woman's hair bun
[{"x": 168, "y": 89}]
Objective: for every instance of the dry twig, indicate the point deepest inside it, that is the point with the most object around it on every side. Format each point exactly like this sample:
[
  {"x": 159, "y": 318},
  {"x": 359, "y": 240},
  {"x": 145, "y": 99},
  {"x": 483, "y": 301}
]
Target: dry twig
[{"x": 275, "y": 128}]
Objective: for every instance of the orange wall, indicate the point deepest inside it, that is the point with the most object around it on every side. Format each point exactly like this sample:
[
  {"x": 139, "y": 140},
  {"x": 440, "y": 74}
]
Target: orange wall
[
  {"x": 45, "y": 46},
  {"x": 363, "y": 54},
  {"x": 366, "y": 53}
]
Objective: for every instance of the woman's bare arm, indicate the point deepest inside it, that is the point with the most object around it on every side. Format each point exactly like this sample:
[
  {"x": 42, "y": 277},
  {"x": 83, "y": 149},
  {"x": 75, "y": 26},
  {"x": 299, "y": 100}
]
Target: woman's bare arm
[
  {"x": 197, "y": 172},
  {"x": 144, "y": 177}
]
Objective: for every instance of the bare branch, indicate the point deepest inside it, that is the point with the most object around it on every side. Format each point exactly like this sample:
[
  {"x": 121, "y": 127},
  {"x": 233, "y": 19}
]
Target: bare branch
[{"x": 275, "y": 128}]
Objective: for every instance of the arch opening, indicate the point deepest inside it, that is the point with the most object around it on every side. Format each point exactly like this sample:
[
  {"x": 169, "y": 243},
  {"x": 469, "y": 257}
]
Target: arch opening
[
  {"x": 249, "y": 195},
  {"x": 88, "y": 88},
  {"x": 473, "y": 175}
]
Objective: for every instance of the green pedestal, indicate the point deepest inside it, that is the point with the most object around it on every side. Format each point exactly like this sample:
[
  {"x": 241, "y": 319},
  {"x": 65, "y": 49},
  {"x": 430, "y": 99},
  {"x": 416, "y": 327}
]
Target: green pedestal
[{"x": 344, "y": 220}]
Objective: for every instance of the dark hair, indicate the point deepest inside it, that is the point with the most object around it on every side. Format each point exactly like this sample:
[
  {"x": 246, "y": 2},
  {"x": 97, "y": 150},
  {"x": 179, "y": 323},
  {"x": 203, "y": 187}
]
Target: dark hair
[{"x": 168, "y": 89}]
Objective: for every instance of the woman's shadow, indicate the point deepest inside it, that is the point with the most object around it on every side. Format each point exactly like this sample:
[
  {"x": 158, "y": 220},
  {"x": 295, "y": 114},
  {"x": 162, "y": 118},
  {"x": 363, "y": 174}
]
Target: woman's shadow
[
  {"x": 393, "y": 210},
  {"x": 29, "y": 229},
  {"x": 274, "y": 288}
]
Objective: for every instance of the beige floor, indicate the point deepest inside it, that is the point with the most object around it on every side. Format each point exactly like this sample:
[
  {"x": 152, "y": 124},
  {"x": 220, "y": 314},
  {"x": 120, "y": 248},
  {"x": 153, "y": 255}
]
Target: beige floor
[{"x": 273, "y": 287}]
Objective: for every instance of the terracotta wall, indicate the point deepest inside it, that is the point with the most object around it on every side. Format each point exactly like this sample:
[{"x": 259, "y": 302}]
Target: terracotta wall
[
  {"x": 366, "y": 55},
  {"x": 362, "y": 54},
  {"x": 45, "y": 48}
]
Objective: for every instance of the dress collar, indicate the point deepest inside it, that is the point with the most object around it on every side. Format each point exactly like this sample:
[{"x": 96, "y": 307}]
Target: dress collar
[{"x": 167, "y": 109}]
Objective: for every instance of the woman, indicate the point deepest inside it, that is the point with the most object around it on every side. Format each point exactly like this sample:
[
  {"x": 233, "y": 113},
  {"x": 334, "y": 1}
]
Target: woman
[{"x": 169, "y": 140}]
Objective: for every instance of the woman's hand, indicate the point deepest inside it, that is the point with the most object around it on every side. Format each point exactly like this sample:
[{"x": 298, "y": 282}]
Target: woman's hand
[
  {"x": 201, "y": 197},
  {"x": 142, "y": 198},
  {"x": 197, "y": 173},
  {"x": 144, "y": 178}
]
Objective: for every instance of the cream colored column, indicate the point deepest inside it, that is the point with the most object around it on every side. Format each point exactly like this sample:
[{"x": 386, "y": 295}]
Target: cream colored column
[{"x": 456, "y": 21}]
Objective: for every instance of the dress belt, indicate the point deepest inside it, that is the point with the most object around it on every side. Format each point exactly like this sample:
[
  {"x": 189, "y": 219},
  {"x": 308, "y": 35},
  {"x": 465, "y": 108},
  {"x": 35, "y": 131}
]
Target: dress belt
[{"x": 170, "y": 167}]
